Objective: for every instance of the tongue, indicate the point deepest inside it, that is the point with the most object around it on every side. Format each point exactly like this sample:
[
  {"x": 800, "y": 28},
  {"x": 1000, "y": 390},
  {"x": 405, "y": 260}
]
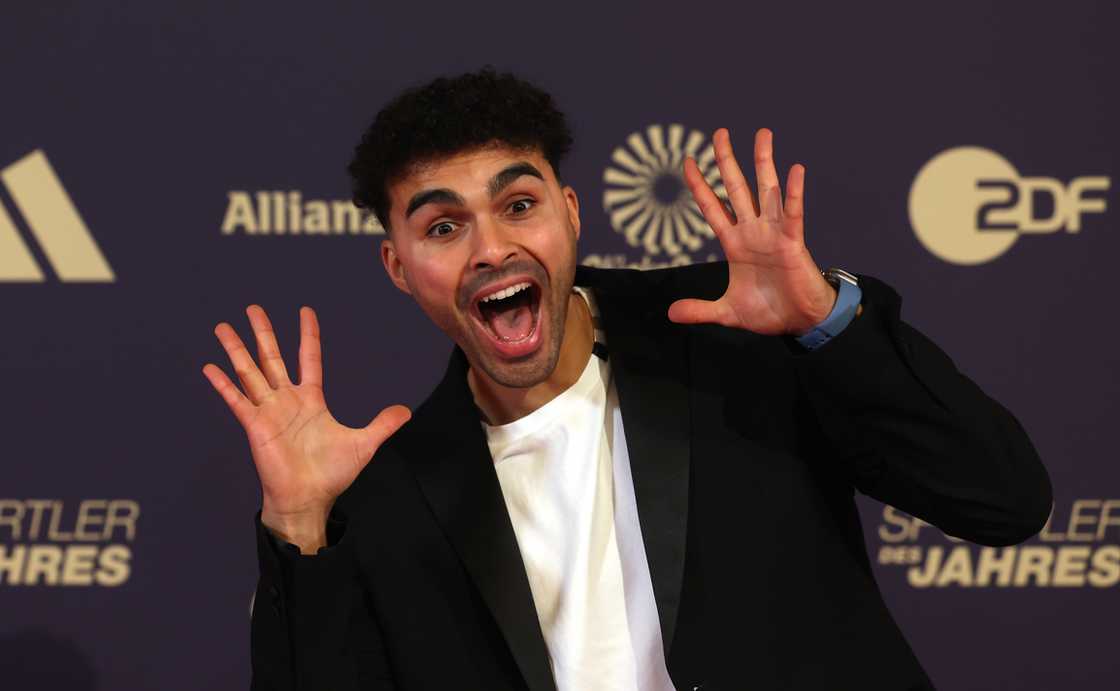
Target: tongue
[{"x": 513, "y": 323}]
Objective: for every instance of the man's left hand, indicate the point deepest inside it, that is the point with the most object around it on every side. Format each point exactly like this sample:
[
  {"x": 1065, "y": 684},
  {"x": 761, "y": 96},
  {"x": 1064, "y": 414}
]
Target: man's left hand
[{"x": 774, "y": 286}]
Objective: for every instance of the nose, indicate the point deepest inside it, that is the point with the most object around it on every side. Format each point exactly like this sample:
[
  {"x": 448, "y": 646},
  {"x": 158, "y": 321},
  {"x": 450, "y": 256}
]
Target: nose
[{"x": 493, "y": 244}]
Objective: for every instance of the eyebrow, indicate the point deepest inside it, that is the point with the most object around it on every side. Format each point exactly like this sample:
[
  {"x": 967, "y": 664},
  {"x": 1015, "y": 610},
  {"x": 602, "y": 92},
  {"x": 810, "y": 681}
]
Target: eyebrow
[{"x": 497, "y": 183}]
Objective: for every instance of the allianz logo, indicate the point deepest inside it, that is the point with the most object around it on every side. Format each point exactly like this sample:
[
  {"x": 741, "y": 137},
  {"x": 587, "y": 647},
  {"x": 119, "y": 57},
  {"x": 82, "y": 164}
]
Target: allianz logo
[{"x": 287, "y": 212}]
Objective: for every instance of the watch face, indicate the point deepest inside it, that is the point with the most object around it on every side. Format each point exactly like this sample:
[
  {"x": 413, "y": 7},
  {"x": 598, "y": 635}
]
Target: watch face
[{"x": 835, "y": 275}]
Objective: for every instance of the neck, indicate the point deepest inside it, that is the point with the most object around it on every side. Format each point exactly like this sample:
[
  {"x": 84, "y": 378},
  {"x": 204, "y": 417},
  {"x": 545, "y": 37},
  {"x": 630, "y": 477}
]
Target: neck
[{"x": 502, "y": 404}]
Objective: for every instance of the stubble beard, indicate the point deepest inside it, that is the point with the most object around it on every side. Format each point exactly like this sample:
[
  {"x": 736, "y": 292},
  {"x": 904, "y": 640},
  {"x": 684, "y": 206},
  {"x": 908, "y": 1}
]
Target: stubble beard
[{"x": 539, "y": 366}]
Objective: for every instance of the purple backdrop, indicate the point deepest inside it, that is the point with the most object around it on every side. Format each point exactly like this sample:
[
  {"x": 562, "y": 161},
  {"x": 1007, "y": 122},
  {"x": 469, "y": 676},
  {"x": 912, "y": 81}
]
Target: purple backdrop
[{"x": 962, "y": 153}]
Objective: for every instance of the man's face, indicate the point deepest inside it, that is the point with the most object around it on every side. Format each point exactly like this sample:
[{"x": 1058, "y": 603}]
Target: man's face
[{"x": 485, "y": 242}]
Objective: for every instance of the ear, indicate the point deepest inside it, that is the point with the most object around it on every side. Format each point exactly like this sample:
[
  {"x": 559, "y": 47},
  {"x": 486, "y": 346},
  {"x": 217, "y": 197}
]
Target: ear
[
  {"x": 572, "y": 202},
  {"x": 393, "y": 266}
]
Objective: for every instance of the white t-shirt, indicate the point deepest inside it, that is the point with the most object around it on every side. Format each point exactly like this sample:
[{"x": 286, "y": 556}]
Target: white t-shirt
[{"x": 565, "y": 475}]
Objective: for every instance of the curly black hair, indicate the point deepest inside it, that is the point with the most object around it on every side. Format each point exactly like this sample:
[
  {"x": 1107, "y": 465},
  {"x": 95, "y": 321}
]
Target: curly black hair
[{"x": 450, "y": 115}]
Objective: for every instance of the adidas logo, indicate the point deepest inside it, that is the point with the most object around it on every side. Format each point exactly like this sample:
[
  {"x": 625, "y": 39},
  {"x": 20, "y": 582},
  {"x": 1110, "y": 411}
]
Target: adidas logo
[{"x": 55, "y": 224}]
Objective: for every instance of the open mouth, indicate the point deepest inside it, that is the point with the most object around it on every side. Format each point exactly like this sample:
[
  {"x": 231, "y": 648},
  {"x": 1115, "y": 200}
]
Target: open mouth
[{"x": 510, "y": 317}]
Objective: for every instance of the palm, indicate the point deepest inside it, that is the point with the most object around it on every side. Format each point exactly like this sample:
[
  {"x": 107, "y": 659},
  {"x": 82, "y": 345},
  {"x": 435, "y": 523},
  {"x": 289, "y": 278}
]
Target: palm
[
  {"x": 304, "y": 457},
  {"x": 773, "y": 284},
  {"x": 301, "y": 452}
]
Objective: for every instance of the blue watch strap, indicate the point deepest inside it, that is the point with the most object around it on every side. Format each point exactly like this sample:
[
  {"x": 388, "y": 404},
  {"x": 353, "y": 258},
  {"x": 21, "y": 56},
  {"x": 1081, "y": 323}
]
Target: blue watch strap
[{"x": 847, "y": 302}]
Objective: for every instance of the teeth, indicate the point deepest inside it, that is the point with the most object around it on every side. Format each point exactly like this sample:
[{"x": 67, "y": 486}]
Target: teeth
[{"x": 505, "y": 292}]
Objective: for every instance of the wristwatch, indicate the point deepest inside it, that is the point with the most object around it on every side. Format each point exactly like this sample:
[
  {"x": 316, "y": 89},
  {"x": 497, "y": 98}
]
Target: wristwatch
[{"x": 847, "y": 302}]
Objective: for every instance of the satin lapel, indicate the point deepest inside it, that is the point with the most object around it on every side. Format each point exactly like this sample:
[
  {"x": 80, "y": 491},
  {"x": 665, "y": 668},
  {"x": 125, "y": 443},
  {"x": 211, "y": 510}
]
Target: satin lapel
[
  {"x": 448, "y": 452},
  {"x": 648, "y": 356}
]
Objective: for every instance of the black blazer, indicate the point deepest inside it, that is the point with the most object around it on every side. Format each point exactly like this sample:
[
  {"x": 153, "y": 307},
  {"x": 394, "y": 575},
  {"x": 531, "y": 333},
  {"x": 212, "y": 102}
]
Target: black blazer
[{"x": 745, "y": 450}]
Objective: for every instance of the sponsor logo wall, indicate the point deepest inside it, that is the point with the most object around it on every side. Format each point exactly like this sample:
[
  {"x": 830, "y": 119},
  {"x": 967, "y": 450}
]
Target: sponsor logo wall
[{"x": 174, "y": 173}]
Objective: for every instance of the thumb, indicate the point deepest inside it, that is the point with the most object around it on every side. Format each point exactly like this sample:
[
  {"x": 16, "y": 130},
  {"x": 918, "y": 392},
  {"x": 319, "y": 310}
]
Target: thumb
[
  {"x": 387, "y": 422},
  {"x": 690, "y": 311}
]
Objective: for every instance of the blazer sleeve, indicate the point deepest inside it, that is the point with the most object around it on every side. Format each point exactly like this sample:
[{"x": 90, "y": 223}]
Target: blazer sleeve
[
  {"x": 914, "y": 432},
  {"x": 312, "y": 626}
]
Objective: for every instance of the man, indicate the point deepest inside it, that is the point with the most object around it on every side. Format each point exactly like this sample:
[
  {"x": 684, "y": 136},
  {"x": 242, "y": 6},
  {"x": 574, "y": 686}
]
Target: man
[{"x": 625, "y": 480}]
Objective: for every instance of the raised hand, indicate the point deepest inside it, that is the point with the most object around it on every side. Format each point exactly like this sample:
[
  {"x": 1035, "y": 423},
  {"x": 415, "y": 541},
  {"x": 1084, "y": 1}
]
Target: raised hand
[
  {"x": 304, "y": 457},
  {"x": 774, "y": 286}
]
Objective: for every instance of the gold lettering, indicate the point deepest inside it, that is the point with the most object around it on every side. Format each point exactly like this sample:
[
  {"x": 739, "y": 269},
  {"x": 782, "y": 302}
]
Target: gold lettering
[
  {"x": 901, "y": 521},
  {"x": 121, "y": 513},
  {"x": 1028, "y": 188},
  {"x": 12, "y": 563},
  {"x": 114, "y": 565},
  {"x": 36, "y": 506},
  {"x": 294, "y": 215},
  {"x": 1045, "y": 535},
  {"x": 1034, "y": 561},
  {"x": 87, "y": 519},
  {"x": 344, "y": 217},
  {"x": 315, "y": 219},
  {"x": 55, "y": 534},
  {"x": 1108, "y": 517},
  {"x": 1069, "y": 570},
  {"x": 923, "y": 579},
  {"x": 1106, "y": 567},
  {"x": 371, "y": 226},
  {"x": 43, "y": 560},
  {"x": 239, "y": 214},
  {"x": 13, "y": 519},
  {"x": 989, "y": 564},
  {"x": 1081, "y": 205},
  {"x": 77, "y": 569},
  {"x": 264, "y": 213},
  {"x": 280, "y": 213},
  {"x": 1076, "y": 519},
  {"x": 958, "y": 569}
]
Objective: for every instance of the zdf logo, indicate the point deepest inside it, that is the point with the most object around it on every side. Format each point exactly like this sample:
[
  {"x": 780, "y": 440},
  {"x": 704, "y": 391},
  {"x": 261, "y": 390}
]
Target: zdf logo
[{"x": 968, "y": 204}]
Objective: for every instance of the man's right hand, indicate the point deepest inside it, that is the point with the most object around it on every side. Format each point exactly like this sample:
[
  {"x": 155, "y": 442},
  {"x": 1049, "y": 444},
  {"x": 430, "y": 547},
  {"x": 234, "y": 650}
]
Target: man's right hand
[{"x": 304, "y": 457}]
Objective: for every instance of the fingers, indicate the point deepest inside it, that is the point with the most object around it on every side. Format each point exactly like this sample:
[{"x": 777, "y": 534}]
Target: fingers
[
  {"x": 769, "y": 191},
  {"x": 258, "y": 385},
  {"x": 387, "y": 422},
  {"x": 255, "y": 385},
  {"x": 310, "y": 349},
  {"x": 795, "y": 192},
  {"x": 268, "y": 350},
  {"x": 692, "y": 311},
  {"x": 242, "y": 407},
  {"x": 710, "y": 205},
  {"x": 738, "y": 189}
]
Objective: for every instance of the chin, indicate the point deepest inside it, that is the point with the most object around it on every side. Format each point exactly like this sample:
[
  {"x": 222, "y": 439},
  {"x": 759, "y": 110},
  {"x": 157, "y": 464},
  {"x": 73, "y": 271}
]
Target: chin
[
  {"x": 515, "y": 328},
  {"x": 521, "y": 375}
]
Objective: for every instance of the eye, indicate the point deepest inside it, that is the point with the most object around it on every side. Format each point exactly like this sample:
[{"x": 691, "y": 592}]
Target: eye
[
  {"x": 441, "y": 229},
  {"x": 521, "y": 205}
]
